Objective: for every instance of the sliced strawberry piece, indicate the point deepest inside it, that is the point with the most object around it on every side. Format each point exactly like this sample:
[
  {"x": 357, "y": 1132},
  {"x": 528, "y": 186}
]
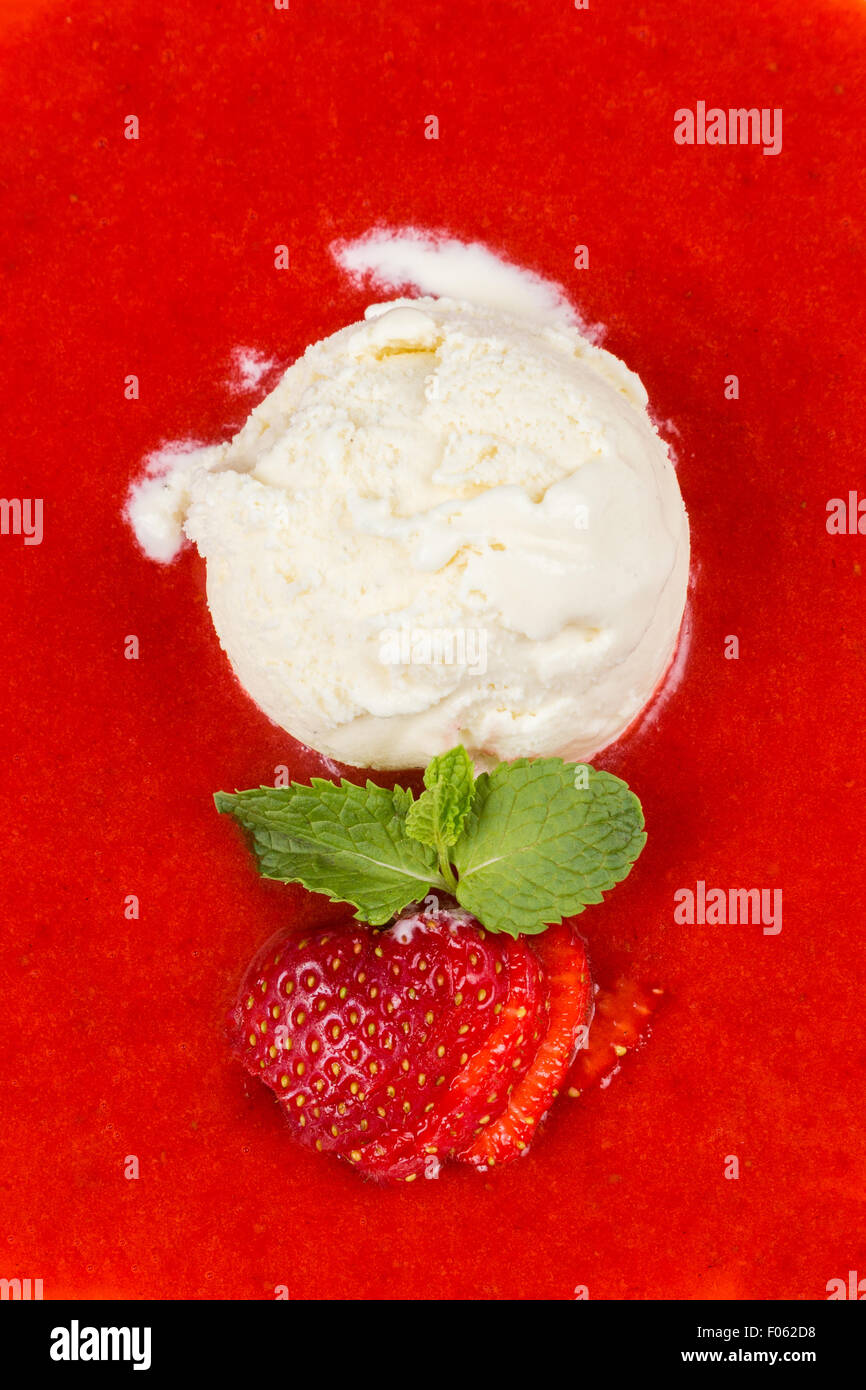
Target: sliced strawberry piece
[
  {"x": 400, "y": 1048},
  {"x": 570, "y": 1006},
  {"x": 621, "y": 1023},
  {"x": 356, "y": 1031},
  {"x": 476, "y": 986},
  {"x": 480, "y": 1091}
]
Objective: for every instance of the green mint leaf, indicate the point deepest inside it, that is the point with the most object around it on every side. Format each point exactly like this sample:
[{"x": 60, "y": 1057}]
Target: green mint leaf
[
  {"x": 422, "y": 818},
  {"x": 532, "y": 842},
  {"x": 438, "y": 816},
  {"x": 403, "y": 801},
  {"x": 345, "y": 841},
  {"x": 544, "y": 839}
]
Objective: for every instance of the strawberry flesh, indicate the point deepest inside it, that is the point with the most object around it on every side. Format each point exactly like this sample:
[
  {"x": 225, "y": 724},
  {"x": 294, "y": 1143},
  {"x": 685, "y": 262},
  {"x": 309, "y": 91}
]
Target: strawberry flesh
[
  {"x": 621, "y": 1023},
  {"x": 362, "y": 1033},
  {"x": 481, "y": 1088},
  {"x": 570, "y": 1009},
  {"x": 399, "y": 1048}
]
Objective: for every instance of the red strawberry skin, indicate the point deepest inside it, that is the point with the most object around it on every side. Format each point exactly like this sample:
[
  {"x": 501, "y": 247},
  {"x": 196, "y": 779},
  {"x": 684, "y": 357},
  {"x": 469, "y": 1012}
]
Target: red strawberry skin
[
  {"x": 482, "y": 1087},
  {"x": 570, "y": 1006},
  {"x": 392, "y": 1048}
]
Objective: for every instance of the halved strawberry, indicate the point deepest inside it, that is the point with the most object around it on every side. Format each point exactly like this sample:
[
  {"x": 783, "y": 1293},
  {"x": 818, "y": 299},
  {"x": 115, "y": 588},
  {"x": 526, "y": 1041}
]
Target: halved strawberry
[
  {"x": 480, "y": 1090},
  {"x": 413, "y": 1034},
  {"x": 570, "y": 1009}
]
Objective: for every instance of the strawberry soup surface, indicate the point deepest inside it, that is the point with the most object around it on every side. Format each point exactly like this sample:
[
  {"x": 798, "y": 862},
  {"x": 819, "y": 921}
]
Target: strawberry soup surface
[{"x": 155, "y": 258}]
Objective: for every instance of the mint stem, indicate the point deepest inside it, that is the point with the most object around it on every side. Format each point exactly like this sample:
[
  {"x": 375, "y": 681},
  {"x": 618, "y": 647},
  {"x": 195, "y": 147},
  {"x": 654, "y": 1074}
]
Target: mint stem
[{"x": 445, "y": 868}]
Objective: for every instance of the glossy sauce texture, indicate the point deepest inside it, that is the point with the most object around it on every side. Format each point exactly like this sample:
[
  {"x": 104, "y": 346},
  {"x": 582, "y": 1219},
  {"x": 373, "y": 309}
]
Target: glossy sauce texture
[{"x": 259, "y": 128}]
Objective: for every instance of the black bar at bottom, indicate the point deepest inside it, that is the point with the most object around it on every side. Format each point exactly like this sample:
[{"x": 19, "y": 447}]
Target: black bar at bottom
[{"x": 249, "y": 1339}]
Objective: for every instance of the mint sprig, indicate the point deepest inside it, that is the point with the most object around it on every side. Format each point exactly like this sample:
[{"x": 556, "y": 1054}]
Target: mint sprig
[
  {"x": 521, "y": 847},
  {"x": 438, "y": 816}
]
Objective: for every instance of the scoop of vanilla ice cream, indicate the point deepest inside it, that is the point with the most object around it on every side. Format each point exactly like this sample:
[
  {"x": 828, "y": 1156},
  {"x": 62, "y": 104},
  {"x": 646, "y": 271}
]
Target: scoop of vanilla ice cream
[{"x": 446, "y": 525}]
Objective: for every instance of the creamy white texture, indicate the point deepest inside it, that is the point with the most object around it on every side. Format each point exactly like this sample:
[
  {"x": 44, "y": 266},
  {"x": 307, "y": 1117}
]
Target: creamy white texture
[
  {"x": 446, "y": 467},
  {"x": 157, "y": 504},
  {"x": 444, "y": 268}
]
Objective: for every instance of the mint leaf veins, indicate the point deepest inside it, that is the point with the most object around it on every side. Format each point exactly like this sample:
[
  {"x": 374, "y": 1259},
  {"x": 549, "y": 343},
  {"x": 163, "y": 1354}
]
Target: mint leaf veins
[
  {"x": 438, "y": 816},
  {"x": 345, "y": 841},
  {"x": 520, "y": 847}
]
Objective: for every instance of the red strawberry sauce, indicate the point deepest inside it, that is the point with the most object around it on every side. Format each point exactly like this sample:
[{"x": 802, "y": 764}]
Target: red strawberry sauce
[{"x": 156, "y": 258}]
